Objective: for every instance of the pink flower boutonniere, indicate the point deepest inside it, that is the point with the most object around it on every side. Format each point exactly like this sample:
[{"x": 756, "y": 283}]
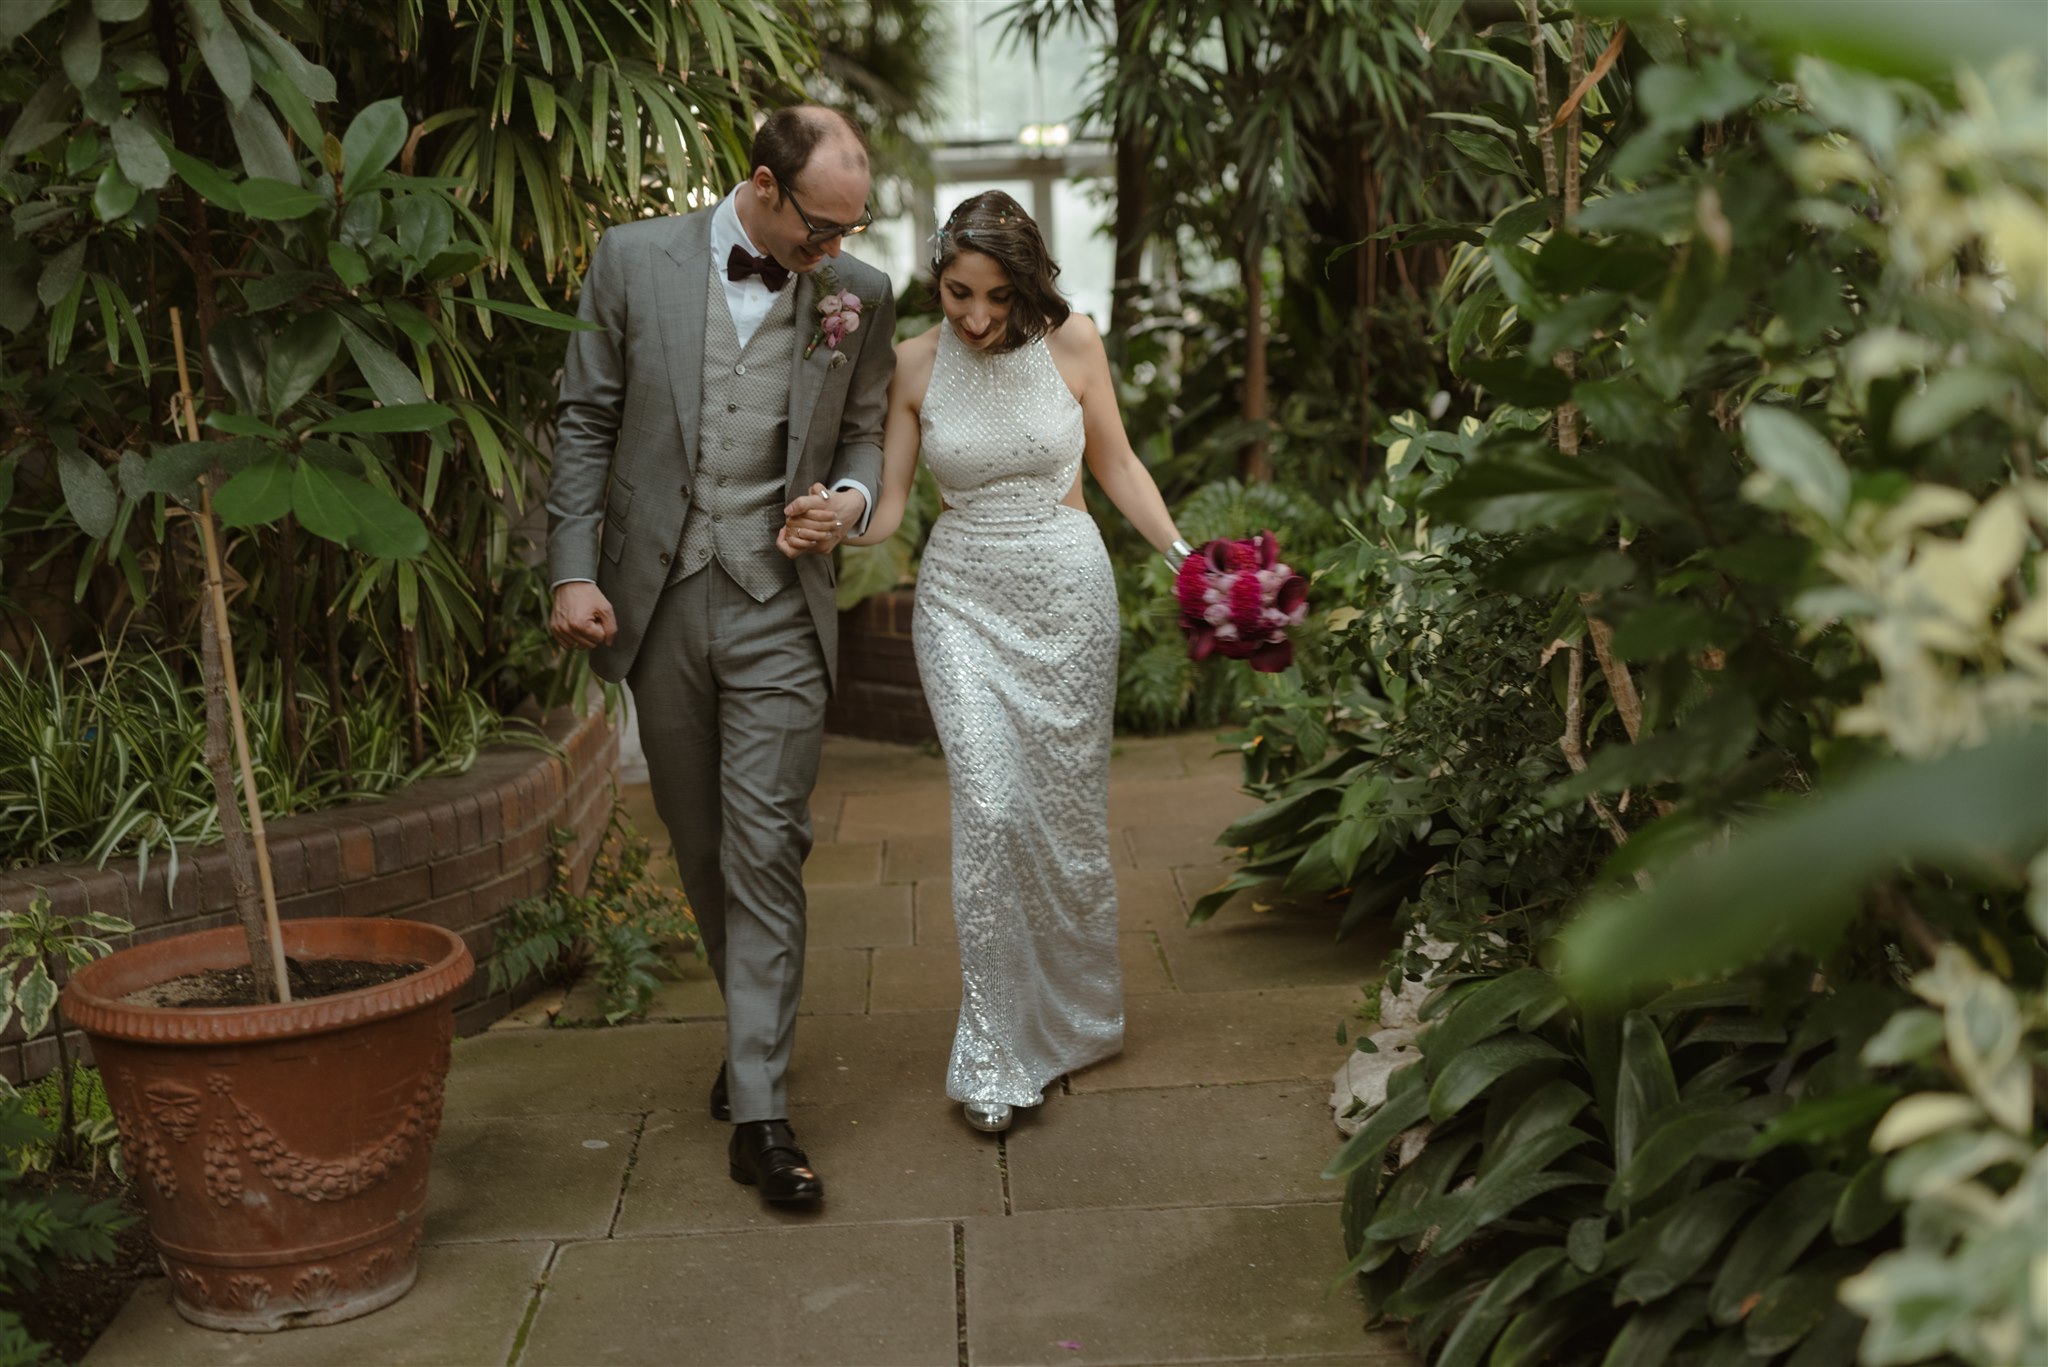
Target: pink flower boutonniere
[{"x": 838, "y": 314}]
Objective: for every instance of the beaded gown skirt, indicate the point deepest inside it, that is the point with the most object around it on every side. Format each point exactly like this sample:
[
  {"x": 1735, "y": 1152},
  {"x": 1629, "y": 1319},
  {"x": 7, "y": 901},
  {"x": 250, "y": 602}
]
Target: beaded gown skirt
[{"x": 1016, "y": 634}]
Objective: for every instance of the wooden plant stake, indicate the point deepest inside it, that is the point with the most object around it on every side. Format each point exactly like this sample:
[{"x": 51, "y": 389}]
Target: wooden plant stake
[{"x": 218, "y": 598}]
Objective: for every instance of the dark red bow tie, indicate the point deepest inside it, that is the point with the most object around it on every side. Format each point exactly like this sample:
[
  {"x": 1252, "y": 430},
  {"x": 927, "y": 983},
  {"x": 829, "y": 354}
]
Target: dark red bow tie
[{"x": 743, "y": 263}]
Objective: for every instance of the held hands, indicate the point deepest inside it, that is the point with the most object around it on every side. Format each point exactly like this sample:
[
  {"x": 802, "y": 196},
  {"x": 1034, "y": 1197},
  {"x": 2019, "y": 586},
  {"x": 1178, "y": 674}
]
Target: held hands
[
  {"x": 583, "y": 617},
  {"x": 817, "y": 522}
]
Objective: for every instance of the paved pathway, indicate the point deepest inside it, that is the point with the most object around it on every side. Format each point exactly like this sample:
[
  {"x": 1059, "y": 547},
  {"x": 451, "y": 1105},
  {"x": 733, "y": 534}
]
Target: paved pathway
[{"x": 1164, "y": 1207}]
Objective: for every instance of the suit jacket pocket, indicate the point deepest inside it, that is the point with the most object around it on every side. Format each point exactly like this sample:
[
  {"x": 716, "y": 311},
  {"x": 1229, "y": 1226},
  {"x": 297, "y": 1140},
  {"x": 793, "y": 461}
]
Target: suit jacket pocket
[{"x": 617, "y": 510}]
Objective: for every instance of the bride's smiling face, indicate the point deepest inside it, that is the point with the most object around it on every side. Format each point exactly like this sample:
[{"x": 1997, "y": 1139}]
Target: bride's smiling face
[{"x": 976, "y": 294}]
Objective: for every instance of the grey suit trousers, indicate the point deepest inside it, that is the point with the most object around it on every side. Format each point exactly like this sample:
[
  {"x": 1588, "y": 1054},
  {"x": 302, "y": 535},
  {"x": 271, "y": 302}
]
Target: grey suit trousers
[{"x": 730, "y": 695}]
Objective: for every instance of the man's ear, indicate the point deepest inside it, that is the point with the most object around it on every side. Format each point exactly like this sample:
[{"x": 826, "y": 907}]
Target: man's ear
[{"x": 763, "y": 181}]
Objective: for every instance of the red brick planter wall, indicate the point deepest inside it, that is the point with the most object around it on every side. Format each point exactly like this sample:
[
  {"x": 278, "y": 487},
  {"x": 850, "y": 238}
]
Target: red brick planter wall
[
  {"x": 455, "y": 851},
  {"x": 879, "y": 696}
]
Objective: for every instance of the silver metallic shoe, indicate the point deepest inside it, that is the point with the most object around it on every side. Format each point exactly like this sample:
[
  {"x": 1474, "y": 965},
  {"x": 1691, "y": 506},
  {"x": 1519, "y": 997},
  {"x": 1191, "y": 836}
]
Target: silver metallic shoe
[{"x": 990, "y": 1117}]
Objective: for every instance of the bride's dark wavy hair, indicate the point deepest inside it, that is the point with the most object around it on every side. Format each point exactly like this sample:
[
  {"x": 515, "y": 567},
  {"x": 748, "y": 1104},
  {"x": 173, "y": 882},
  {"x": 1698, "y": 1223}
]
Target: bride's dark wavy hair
[{"x": 996, "y": 225}]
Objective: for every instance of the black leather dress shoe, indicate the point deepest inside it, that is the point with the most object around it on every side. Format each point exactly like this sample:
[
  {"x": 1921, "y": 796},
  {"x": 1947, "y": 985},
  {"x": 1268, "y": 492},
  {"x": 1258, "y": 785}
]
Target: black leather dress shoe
[
  {"x": 721, "y": 1102},
  {"x": 764, "y": 1154}
]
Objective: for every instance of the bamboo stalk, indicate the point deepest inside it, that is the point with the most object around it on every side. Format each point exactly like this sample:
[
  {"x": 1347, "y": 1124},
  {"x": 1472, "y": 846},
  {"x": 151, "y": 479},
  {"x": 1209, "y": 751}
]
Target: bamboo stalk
[{"x": 219, "y": 597}]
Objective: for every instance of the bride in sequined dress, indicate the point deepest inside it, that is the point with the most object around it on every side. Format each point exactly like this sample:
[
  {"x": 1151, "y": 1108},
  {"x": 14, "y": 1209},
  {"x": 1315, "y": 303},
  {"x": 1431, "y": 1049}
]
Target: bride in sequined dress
[{"x": 1016, "y": 631}]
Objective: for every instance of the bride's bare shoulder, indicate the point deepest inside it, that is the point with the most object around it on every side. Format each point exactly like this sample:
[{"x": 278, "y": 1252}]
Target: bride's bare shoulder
[{"x": 914, "y": 357}]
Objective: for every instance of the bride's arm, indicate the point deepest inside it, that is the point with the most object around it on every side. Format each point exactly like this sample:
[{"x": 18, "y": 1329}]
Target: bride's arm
[
  {"x": 1111, "y": 460},
  {"x": 900, "y": 438}
]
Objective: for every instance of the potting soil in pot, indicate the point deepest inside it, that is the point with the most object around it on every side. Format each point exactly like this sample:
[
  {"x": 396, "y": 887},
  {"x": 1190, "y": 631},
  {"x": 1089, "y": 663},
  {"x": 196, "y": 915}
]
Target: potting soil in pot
[{"x": 217, "y": 987}]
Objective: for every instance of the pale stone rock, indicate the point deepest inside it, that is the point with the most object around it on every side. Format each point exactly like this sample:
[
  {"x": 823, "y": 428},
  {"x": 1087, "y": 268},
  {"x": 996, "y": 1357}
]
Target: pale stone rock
[{"x": 1361, "y": 1084}]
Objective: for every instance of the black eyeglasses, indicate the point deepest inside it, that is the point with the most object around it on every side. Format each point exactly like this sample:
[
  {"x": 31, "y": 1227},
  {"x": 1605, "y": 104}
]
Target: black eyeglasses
[{"x": 826, "y": 232}]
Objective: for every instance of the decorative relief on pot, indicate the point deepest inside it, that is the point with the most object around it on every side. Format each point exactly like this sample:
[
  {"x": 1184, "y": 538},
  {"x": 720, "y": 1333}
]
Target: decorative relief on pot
[
  {"x": 318, "y": 1179},
  {"x": 223, "y": 1174},
  {"x": 143, "y": 1150},
  {"x": 175, "y": 1109},
  {"x": 377, "y": 1268},
  {"x": 192, "y": 1287},
  {"x": 248, "y": 1291},
  {"x": 316, "y": 1284}
]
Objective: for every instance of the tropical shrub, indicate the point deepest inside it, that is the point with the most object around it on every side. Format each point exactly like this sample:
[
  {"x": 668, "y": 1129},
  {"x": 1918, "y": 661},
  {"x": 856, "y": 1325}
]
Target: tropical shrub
[
  {"x": 1775, "y": 299},
  {"x": 42, "y": 1225},
  {"x": 620, "y": 927}
]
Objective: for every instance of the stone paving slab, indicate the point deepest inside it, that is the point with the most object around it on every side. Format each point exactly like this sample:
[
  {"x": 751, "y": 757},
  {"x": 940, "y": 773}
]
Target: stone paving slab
[
  {"x": 826, "y": 1295},
  {"x": 1157, "y": 1286},
  {"x": 1146, "y": 757},
  {"x": 1210, "y": 801},
  {"x": 927, "y": 977},
  {"x": 632, "y": 1069},
  {"x": 882, "y": 1161},
  {"x": 1146, "y": 899},
  {"x": 900, "y": 1056},
  {"x": 882, "y": 816},
  {"x": 540, "y": 1177},
  {"x": 1224, "y": 1037},
  {"x": 911, "y": 858},
  {"x": 1258, "y": 1145},
  {"x": 850, "y": 915},
  {"x": 1272, "y": 951},
  {"x": 465, "y": 1309},
  {"x": 856, "y": 861},
  {"x": 1174, "y": 846}
]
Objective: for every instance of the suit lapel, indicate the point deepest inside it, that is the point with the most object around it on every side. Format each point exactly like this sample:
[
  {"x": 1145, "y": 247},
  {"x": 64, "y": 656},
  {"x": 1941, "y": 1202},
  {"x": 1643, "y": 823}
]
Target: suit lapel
[
  {"x": 806, "y": 376},
  {"x": 681, "y": 295}
]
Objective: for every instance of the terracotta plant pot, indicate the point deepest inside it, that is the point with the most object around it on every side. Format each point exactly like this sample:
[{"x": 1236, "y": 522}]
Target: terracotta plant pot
[{"x": 281, "y": 1151}]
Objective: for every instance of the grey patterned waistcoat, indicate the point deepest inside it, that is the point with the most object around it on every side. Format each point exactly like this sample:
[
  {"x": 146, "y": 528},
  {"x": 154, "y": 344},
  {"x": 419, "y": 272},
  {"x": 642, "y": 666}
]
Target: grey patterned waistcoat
[{"x": 743, "y": 450}]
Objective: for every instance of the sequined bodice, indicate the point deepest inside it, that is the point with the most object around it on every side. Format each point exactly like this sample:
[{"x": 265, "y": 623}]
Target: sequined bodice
[{"x": 1001, "y": 431}]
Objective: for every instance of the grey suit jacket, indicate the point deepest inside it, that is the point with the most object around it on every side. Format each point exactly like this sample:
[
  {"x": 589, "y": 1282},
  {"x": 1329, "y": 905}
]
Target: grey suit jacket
[{"x": 626, "y": 439}]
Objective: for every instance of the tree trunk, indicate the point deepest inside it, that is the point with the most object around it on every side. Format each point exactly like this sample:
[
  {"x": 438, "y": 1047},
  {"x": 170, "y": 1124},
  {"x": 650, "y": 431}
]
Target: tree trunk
[
  {"x": 337, "y": 698},
  {"x": 1133, "y": 201},
  {"x": 1255, "y": 465},
  {"x": 288, "y": 639}
]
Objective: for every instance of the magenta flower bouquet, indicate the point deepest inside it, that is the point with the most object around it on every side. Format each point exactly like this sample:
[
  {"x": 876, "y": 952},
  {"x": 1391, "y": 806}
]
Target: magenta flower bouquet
[{"x": 1238, "y": 599}]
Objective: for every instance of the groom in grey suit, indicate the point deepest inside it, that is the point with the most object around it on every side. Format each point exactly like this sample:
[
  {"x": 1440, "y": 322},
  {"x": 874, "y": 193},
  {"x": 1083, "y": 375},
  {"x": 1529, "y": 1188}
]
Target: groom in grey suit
[{"x": 688, "y": 425}]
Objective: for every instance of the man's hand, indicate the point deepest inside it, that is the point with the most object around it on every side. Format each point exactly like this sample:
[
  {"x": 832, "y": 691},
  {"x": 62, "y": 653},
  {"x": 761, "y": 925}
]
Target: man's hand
[
  {"x": 583, "y": 617},
  {"x": 818, "y": 521}
]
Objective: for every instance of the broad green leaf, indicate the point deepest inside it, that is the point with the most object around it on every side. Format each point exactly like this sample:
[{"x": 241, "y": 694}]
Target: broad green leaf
[
  {"x": 237, "y": 353},
  {"x": 212, "y": 183},
  {"x": 1470, "y": 1073},
  {"x": 275, "y": 199},
  {"x": 140, "y": 155},
  {"x": 1652, "y": 1332},
  {"x": 1435, "y": 19},
  {"x": 373, "y": 139},
  {"x": 258, "y": 496},
  {"x": 343, "y": 508},
  {"x": 60, "y": 276},
  {"x": 79, "y": 49},
  {"x": 1400, "y": 1110},
  {"x": 1909, "y": 1036},
  {"x": 1986, "y": 1037},
  {"x": 1783, "y": 444},
  {"x": 1863, "y": 1208},
  {"x": 35, "y": 998},
  {"x": 20, "y": 16},
  {"x": 112, "y": 195},
  {"x": 1948, "y": 398},
  {"x": 526, "y": 313},
  {"x": 1667, "y": 1151},
  {"x": 1528, "y": 490},
  {"x": 1644, "y": 1086},
  {"x": 1488, "y": 1315},
  {"x": 1554, "y": 1105},
  {"x": 226, "y": 56},
  {"x": 389, "y": 378},
  {"x": 1484, "y": 1012},
  {"x": 403, "y": 417},
  {"x": 314, "y": 83},
  {"x": 1672, "y": 1248},
  {"x": 299, "y": 358},
  {"x": 347, "y": 263},
  {"x": 265, "y": 153},
  {"x": 1794, "y": 1305},
  {"x": 1824, "y": 1119},
  {"x": 1799, "y": 872},
  {"x": 1773, "y": 1242},
  {"x": 245, "y": 425},
  {"x": 175, "y": 468},
  {"x": 89, "y": 492}
]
